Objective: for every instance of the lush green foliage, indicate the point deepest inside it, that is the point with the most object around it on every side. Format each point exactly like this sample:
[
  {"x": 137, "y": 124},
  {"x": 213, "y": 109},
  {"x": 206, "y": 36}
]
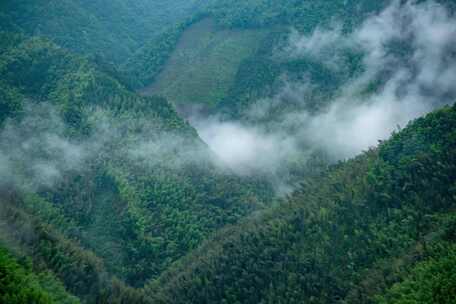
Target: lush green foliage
[
  {"x": 331, "y": 238},
  {"x": 10, "y": 102},
  {"x": 145, "y": 65},
  {"x": 263, "y": 15},
  {"x": 112, "y": 30},
  {"x": 18, "y": 284},
  {"x": 304, "y": 14},
  {"x": 376, "y": 229},
  {"x": 136, "y": 216},
  {"x": 80, "y": 271},
  {"x": 204, "y": 63},
  {"x": 430, "y": 281}
]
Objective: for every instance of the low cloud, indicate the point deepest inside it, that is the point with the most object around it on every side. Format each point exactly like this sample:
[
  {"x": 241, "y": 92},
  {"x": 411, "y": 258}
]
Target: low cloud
[
  {"x": 324, "y": 45},
  {"x": 35, "y": 151},
  {"x": 410, "y": 49},
  {"x": 38, "y": 150},
  {"x": 246, "y": 149},
  {"x": 408, "y": 69}
]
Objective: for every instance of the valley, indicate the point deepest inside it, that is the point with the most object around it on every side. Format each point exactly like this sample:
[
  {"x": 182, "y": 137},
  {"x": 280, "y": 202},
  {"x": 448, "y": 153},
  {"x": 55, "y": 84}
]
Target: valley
[{"x": 227, "y": 152}]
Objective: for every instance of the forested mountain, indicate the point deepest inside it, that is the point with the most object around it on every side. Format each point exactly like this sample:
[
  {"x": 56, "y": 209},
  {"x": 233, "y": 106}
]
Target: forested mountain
[
  {"x": 270, "y": 17},
  {"x": 112, "y": 30},
  {"x": 369, "y": 230},
  {"x": 227, "y": 151},
  {"x": 124, "y": 183}
]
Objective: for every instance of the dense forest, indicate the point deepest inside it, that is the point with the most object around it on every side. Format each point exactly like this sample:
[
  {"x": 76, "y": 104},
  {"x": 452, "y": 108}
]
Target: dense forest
[{"x": 222, "y": 151}]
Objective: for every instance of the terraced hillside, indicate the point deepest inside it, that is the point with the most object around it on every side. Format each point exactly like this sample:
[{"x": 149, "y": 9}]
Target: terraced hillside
[{"x": 202, "y": 67}]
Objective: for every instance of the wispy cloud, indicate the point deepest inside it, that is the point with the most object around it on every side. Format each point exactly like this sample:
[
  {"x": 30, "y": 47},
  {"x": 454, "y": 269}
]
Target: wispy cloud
[
  {"x": 408, "y": 69},
  {"x": 37, "y": 149}
]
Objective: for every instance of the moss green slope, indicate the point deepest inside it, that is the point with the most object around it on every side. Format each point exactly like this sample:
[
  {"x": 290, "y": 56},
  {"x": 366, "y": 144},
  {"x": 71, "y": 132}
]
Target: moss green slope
[
  {"x": 202, "y": 67},
  {"x": 355, "y": 224},
  {"x": 111, "y": 30},
  {"x": 135, "y": 217},
  {"x": 20, "y": 284}
]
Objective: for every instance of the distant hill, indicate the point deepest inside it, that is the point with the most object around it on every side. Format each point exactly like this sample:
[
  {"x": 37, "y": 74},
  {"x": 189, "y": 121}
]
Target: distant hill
[
  {"x": 157, "y": 151},
  {"x": 111, "y": 30}
]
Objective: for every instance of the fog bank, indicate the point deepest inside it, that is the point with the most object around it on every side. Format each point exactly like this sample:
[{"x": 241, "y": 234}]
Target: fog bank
[{"x": 408, "y": 69}]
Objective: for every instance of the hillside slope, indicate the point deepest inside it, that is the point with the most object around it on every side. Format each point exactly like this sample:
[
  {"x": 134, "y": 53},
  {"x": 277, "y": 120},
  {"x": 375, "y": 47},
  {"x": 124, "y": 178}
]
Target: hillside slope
[
  {"x": 345, "y": 237},
  {"x": 118, "y": 177},
  {"x": 243, "y": 18},
  {"x": 110, "y": 196},
  {"x": 201, "y": 68},
  {"x": 110, "y": 30}
]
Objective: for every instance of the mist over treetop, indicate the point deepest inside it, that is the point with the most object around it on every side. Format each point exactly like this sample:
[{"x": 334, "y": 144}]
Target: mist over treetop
[{"x": 227, "y": 151}]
